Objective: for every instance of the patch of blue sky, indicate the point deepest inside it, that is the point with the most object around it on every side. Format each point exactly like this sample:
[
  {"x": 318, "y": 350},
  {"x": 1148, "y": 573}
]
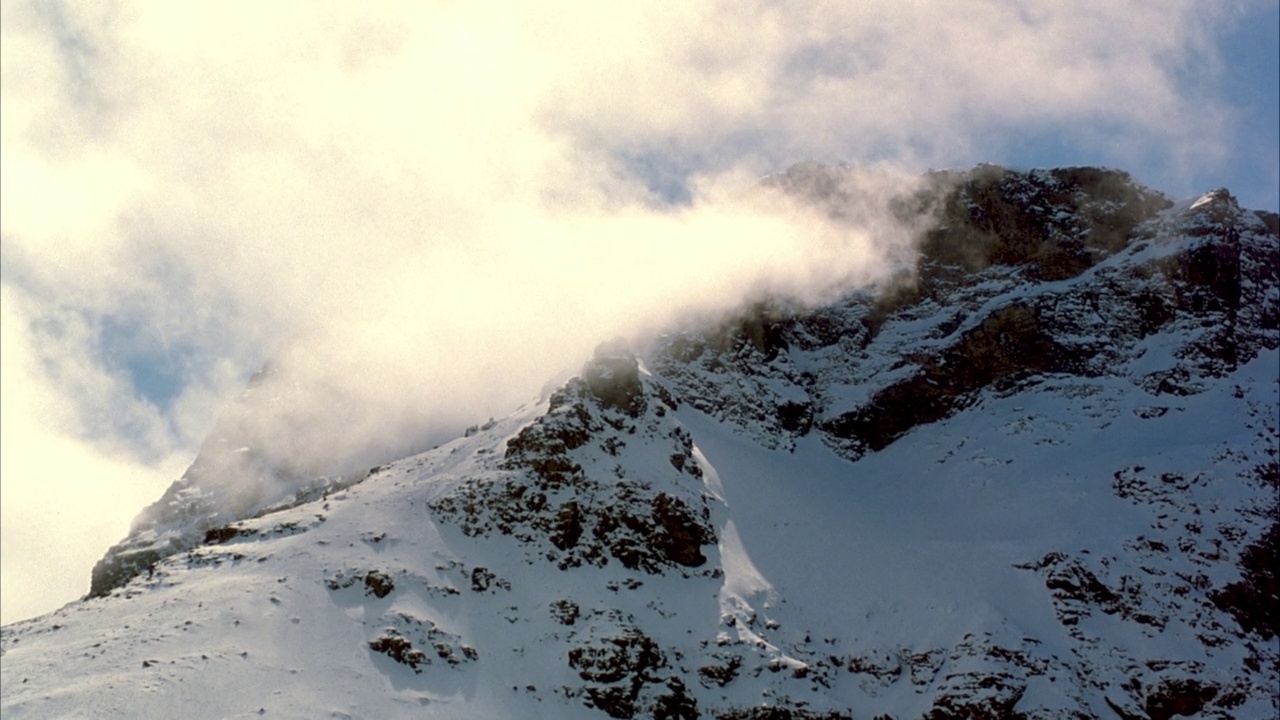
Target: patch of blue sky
[
  {"x": 158, "y": 371},
  {"x": 1251, "y": 83},
  {"x": 1245, "y": 85}
]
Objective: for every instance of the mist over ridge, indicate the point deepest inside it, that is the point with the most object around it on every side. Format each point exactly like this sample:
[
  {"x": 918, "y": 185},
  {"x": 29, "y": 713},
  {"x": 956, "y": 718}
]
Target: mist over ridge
[
  {"x": 1032, "y": 477},
  {"x": 433, "y": 206}
]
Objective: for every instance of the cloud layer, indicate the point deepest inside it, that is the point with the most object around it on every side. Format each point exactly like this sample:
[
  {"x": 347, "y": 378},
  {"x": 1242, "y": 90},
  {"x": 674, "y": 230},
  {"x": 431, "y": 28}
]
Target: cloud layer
[{"x": 429, "y": 209}]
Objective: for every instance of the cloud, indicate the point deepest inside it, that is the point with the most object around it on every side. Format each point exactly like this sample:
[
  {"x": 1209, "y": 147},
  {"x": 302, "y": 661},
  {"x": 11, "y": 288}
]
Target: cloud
[
  {"x": 904, "y": 81},
  {"x": 63, "y": 495},
  {"x": 427, "y": 209}
]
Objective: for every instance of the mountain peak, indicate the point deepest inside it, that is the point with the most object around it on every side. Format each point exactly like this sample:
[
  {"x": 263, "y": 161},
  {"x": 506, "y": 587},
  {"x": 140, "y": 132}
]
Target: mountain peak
[
  {"x": 1218, "y": 197},
  {"x": 1033, "y": 477}
]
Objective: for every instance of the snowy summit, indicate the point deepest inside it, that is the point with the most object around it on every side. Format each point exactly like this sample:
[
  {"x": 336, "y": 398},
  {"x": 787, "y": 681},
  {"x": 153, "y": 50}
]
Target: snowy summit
[{"x": 1033, "y": 477}]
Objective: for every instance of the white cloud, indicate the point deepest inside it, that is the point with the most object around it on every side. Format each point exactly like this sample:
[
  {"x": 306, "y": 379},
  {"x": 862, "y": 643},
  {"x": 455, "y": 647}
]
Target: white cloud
[
  {"x": 63, "y": 499},
  {"x": 436, "y": 206}
]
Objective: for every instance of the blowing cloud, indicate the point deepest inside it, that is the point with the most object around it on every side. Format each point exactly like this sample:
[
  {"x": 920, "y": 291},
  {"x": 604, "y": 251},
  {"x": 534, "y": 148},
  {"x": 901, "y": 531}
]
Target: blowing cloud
[{"x": 425, "y": 210}]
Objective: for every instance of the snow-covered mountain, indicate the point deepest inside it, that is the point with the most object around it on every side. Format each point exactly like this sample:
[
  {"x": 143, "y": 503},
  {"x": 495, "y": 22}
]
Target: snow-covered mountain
[{"x": 1034, "y": 478}]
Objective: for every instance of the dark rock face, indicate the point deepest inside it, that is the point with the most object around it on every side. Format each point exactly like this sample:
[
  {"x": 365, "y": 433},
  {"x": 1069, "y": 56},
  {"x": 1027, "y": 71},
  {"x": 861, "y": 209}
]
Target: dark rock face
[
  {"x": 593, "y": 517},
  {"x": 1077, "y": 591},
  {"x": 626, "y": 674},
  {"x": 1254, "y": 600},
  {"x": 681, "y": 536},
  {"x": 399, "y": 649},
  {"x": 991, "y": 696},
  {"x": 186, "y": 517},
  {"x": 123, "y": 565},
  {"x": 231, "y": 479},
  {"x": 1056, "y": 223},
  {"x": 1007, "y": 346},
  {"x": 780, "y": 713},
  {"x": 614, "y": 379},
  {"x": 631, "y": 657},
  {"x": 418, "y": 643},
  {"x": 1179, "y": 697},
  {"x": 378, "y": 584},
  {"x": 994, "y": 233},
  {"x": 257, "y": 460}
]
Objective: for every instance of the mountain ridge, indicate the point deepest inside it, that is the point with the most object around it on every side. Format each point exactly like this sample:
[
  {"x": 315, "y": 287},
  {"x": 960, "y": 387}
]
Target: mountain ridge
[{"x": 990, "y": 488}]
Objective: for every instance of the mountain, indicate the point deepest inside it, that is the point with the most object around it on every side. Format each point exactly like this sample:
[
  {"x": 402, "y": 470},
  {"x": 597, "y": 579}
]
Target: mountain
[{"x": 1035, "y": 477}]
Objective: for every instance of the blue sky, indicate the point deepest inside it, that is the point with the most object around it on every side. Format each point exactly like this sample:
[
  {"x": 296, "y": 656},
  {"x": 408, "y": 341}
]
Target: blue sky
[
  {"x": 1237, "y": 78},
  {"x": 1251, "y": 84},
  {"x": 441, "y": 206},
  {"x": 1247, "y": 85}
]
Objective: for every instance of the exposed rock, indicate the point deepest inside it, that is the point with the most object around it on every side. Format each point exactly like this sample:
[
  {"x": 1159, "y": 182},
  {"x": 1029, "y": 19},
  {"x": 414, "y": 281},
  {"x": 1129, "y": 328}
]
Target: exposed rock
[
  {"x": 618, "y": 669},
  {"x": 994, "y": 231},
  {"x": 721, "y": 674},
  {"x": 378, "y": 584},
  {"x": 406, "y": 636},
  {"x": 1254, "y": 600},
  {"x": 483, "y": 578},
  {"x": 565, "y": 611},
  {"x": 396, "y": 647},
  {"x": 592, "y": 518},
  {"x": 991, "y": 697},
  {"x": 775, "y": 712},
  {"x": 1179, "y": 697},
  {"x": 614, "y": 379},
  {"x": 1007, "y": 346}
]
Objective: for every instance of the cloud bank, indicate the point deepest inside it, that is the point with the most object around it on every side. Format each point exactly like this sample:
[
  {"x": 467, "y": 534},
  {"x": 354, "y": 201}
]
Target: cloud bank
[{"x": 425, "y": 210}]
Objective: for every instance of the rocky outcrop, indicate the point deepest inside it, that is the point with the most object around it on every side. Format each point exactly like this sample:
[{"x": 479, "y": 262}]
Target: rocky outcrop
[
  {"x": 1252, "y": 600},
  {"x": 1017, "y": 275},
  {"x": 1008, "y": 346},
  {"x": 567, "y": 479},
  {"x": 241, "y": 471}
]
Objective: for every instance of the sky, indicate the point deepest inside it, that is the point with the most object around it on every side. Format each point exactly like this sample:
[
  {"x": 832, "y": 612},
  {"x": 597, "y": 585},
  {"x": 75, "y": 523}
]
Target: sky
[{"x": 424, "y": 211}]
